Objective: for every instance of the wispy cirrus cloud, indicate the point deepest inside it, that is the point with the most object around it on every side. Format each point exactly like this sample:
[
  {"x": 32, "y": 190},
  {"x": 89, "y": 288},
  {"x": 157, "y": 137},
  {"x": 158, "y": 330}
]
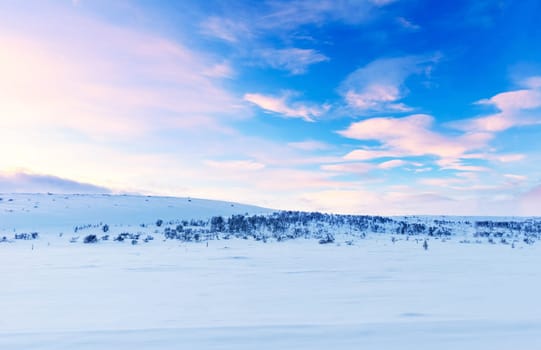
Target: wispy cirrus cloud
[
  {"x": 268, "y": 37},
  {"x": 380, "y": 85},
  {"x": 220, "y": 70},
  {"x": 293, "y": 60},
  {"x": 393, "y": 163},
  {"x": 407, "y": 24},
  {"x": 241, "y": 25},
  {"x": 382, "y": 2},
  {"x": 128, "y": 80},
  {"x": 296, "y": 13},
  {"x": 281, "y": 106},
  {"x": 226, "y": 29},
  {"x": 515, "y": 177}
]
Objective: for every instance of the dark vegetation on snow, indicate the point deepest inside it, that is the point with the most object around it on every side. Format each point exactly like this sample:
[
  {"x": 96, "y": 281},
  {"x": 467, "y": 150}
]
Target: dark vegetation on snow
[{"x": 288, "y": 225}]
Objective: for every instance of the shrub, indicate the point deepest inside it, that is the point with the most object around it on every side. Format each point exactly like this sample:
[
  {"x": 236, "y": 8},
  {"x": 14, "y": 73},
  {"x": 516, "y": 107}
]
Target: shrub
[
  {"x": 91, "y": 239},
  {"x": 327, "y": 240},
  {"x": 27, "y": 236}
]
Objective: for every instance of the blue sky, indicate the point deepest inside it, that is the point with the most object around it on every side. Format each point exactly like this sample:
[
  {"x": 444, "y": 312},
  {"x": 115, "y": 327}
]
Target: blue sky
[{"x": 369, "y": 106}]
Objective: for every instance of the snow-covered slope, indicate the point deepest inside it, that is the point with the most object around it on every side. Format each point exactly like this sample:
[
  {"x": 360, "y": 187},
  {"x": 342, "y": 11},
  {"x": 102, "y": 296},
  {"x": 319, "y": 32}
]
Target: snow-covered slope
[
  {"x": 242, "y": 294},
  {"x": 217, "y": 275},
  {"x": 42, "y": 212}
]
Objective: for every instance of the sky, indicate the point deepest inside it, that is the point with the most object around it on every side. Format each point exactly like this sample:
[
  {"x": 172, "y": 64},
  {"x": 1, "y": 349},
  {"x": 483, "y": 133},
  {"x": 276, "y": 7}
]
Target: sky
[{"x": 387, "y": 107}]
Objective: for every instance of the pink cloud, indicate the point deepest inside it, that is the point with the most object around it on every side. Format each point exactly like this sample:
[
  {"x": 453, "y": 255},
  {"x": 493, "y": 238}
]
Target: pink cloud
[
  {"x": 413, "y": 136},
  {"x": 456, "y": 164},
  {"x": 515, "y": 178},
  {"x": 280, "y": 106},
  {"x": 532, "y": 82},
  {"x": 367, "y": 154},
  {"x": 310, "y": 145},
  {"x": 355, "y": 168},
  {"x": 380, "y": 85},
  {"x": 410, "y": 136},
  {"x": 235, "y": 165},
  {"x": 512, "y": 107},
  {"x": 394, "y": 163},
  {"x": 376, "y": 97},
  {"x": 127, "y": 82},
  {"x": 25, "y": 182},
  {"x": 513, "y": 100}
]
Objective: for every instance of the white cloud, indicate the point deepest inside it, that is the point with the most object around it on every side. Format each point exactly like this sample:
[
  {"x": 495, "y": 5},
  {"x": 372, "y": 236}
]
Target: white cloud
[
  {"x": 294, "y": 60},
  {"x": 310, "y": 145},
  {"x": 514, "y": 109},
  {"x": 380, "y": 85},
  {"x": 407, "y": 24},
  {"x": 394, "y": 163},
  {"x": 382, "y": 2},
  {"x": 443, "y": 182},
  {"x": 286, "y": 15},
  {"x": 355, "y": 168},
  {"x": 515, "y": 177},
  {"x": 280, "y": 105},
  {"x": 225, "y": 29},
  {"x": 127, "y": 82},
  {"x": 412, "y": 136},
  {"x": 507, "y": 158},
  {"x": 243, "y": 27},
  {"x": 235, "y": 165},
  {"x": 533, "y": 82},
  {"x": 501, "y": 158},
  {"x": 220, "y": 70},
  {"x": 21, "y": 181},
  {"x": 415, "y": 201},
  {"x": 377, "y": 98},
  {"x": 367, "y": 154},
  {"x": 515, "y": 100},
  {"x": 456, "y": 164}
]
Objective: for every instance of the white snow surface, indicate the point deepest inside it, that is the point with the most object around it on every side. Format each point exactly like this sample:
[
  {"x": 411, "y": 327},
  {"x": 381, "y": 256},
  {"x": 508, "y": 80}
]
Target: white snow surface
[
  {"x": 64, "y": 211},
  {"x": 245, "y": 294}
]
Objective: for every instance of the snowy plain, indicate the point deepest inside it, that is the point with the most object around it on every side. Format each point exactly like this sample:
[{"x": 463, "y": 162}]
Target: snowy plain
[{"x": 368, "y": 293}]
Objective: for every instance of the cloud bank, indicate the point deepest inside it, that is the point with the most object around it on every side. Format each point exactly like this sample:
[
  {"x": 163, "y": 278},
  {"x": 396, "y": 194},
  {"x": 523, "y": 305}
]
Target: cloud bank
[{"x": 21, "y": 182}]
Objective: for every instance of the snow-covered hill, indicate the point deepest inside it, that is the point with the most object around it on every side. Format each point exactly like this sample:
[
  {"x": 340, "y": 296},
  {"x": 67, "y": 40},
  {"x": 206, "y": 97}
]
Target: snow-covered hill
[
  {"x": 145, "y": 218},
  {"x": 60, "y": 212}
]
